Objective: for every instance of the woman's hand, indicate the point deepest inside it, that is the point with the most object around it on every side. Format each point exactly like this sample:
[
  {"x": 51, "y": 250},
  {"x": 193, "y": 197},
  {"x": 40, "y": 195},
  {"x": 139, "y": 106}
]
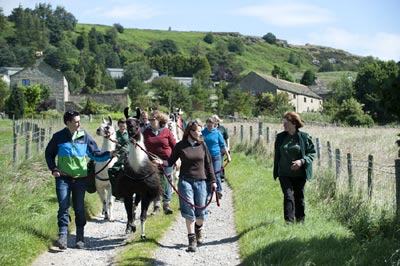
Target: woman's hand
[{"x": 296, "y": 165}]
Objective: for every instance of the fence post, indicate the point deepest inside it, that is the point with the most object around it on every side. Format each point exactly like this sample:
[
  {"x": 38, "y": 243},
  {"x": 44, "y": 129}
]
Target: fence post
[
  {"x": 260, "y": 131},
  {"x": 267, "y": 133},
  {"x": 330, "y": 164},
  {"x": 350, "y": 171},
  {"x": 42, "y": 137},
  {"x": 397, "y": 171},
  {"x": 28, "y": 145},
  {"x": 319, "y": 152},
  {"x": 15, "y": 148},
  {"x": 370, "y": 171},
  {"x": 234, "y": 130},
  {"x": 338, "y": 163},
  {"x": 251, "y": 134},
  {"x": 241, "y": 133}
]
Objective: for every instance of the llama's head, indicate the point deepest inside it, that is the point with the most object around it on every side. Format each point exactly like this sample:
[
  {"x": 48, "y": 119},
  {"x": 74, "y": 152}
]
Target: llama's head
[
  {"x": 106, "y": 129},
  {"x": 133, "y": 123}
]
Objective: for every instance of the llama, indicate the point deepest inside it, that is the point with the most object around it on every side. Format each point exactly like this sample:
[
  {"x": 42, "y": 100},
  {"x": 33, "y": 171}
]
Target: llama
[
  {"x": 140, "y": 176},
  {"x": 102, "y": 180}
]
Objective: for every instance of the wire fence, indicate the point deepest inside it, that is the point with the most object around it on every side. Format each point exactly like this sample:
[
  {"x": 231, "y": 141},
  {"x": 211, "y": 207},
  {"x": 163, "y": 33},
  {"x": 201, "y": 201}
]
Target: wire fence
[{"x": 357, "y": 173}]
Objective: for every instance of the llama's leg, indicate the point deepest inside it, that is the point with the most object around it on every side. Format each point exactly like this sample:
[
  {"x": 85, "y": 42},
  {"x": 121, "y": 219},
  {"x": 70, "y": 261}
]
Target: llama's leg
[
  {"x": 102, "y": 194},
  {"x": 110, "y": 203},
  {"x": 130, "y": 226},
  {"x": 143, "y": 216}
]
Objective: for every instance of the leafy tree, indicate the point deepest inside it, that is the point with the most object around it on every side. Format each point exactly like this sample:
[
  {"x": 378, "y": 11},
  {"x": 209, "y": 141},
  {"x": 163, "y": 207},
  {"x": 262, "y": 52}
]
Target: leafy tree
[
  {"x": 32, "y": 98},
  {"x": 162, "y": 47},
  {"x": 240, "y": 102},
  {"x": 308, "y": 78},
  {"x": 135, "y": 70},
  {"x": 326, "y": 67},
  {"x": 279, "y": 72},
  {"x": 281, "y": 104},
  {"x": 15, "y": 103},
  {"x": 236, "y": 45},
  {"x": 3, "y": 19},
  {"x": 294, "y": 59},
  {"x": 373, "y": 89},
  {"x": 138, "y": 92},
  {"x": 209, "y": 38},
  {"x": 341, "y": 89},
  {"x": 119, "y": 27},
  {"x": 93, "y": 80},
  {"x": 4, "y": 92},
  {"x": 170, "y": 93},
  {"x": 270, "y": 38},
  {"x": 91, "y": 107},
  {"x": 82, "y": 42},
  {"x": 7, "y": 57},
  {"x": 351, "y": 113}
]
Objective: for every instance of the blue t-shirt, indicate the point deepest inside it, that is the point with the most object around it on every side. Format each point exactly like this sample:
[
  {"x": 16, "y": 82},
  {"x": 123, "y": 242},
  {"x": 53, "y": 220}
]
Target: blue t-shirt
[{"x": 214, "y": 141}]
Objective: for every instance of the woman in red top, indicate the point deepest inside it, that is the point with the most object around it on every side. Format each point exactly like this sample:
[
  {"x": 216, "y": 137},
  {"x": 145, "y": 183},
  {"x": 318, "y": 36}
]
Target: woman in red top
[{"x": 160, "y": 141}]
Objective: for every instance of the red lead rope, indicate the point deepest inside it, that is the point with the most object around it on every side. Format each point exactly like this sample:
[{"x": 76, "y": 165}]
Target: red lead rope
[{"x": 176, "y": 190}]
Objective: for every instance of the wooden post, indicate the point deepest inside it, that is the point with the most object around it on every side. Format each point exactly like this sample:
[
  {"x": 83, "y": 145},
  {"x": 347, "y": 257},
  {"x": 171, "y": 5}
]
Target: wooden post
[
  {"x": 370, "y": 172},
  {"x": 15, "y": 148},
  {"x": 260, "y": 131},
  {"x": 28, "y": 145},
  {"x": 267, "y": 133},
  {"x": 241, "y": 133},
  {"x": 338, "y": 163},
  {"x": 397, "y": 171},
  {"x": 350, "y": 171},
  {"x": 42, "y": 137},
  {"x": 330, "y": 164},
  {"x": 251, "y": 134},
  {"x": 319, "y": 152},
  {"x": 234, "y": 131}
]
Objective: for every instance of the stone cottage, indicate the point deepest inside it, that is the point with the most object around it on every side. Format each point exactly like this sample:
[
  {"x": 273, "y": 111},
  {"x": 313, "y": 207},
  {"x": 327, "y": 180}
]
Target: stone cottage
[
  {"x": 42, "y": 73},
  {"x": 301, "y": 96}
]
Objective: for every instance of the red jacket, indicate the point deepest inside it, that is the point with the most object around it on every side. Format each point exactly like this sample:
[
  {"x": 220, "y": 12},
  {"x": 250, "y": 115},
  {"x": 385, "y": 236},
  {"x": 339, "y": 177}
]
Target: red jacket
[{"x": 161, "y": 144}]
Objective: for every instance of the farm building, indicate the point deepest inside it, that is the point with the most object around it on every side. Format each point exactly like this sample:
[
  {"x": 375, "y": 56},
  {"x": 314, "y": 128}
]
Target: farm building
[
  {"x": 301, "y": 96},
  {"x": 42, "y": 73}
]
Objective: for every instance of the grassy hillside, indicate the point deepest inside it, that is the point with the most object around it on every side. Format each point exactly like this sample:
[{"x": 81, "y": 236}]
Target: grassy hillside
[{"x": 257, "y": 56}]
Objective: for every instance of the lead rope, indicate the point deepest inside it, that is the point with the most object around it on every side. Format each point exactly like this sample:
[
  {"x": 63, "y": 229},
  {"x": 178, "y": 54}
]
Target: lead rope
[{"x": 175, "y": 189}]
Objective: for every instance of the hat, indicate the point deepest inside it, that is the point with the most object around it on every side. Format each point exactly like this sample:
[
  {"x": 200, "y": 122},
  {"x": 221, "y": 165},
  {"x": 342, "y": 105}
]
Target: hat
[{"x": 216, "y": 118}]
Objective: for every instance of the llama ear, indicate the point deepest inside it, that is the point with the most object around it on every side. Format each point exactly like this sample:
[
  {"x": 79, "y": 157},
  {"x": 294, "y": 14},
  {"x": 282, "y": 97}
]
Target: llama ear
[
  {"x": 102, "y": 117},
  {"x": 138, "y": 113},
  {"x": 110, "y": 120},
  {"x": 126, "y": 112}
]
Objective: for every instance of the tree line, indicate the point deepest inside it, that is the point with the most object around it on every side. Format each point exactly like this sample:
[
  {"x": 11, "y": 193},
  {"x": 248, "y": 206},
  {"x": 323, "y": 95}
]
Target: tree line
[{"x": 83, "y": 57}]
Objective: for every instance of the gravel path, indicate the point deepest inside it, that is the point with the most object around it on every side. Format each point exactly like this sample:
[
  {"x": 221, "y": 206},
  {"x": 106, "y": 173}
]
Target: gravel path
[{"x": 104, "y": 240}]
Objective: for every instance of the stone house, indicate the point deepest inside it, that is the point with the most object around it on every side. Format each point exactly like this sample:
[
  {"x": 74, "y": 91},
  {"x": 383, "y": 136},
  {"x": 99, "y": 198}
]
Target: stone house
[
  {"x": 42, "y": 73},
  {"x": 301, "y": 96}
]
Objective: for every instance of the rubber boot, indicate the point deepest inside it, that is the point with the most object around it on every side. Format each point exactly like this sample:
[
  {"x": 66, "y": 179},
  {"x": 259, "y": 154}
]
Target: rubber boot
[
  {"x": 192, "y": 243},
  {"x": 197, "y": 231}
]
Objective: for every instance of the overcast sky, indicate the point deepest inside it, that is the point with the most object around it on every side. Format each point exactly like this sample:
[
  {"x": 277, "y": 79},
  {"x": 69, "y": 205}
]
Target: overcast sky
[{"x": 357, "y": 26}]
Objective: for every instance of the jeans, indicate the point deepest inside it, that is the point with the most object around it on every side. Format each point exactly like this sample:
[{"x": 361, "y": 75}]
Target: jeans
[
  {"x": 66, "y": 186},
  {"x": 195, "y": 191},
  {"x": 165, "y": 184},
  {"x": 293, "y": 198},
  {"x": 217, "y": 165}
]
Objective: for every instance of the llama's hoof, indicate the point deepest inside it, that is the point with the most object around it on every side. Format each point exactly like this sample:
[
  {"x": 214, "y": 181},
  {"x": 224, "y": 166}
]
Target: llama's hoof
[
  {"x": 130, "y": 229},
  {"x": 143, "y": 237}
]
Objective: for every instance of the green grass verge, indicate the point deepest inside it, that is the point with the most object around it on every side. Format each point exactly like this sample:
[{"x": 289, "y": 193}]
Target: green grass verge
[{"x": 266, "y": 240}]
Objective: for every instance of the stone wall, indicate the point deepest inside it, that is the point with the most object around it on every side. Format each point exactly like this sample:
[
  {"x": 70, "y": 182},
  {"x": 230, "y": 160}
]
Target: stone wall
[{"x": 112, "y": 99}]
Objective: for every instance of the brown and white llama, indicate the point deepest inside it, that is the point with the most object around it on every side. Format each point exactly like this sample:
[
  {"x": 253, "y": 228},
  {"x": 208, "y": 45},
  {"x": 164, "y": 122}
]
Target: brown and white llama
[
  {"x": 102, "y": 180},
  {"x": 139, "y": 176}
]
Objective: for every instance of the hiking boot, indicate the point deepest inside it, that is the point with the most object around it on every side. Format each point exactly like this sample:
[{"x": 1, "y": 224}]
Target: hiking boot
[
  {"x": 80, "y": 242},
  {"x": 192, "y": 243},
  {"x": 157, "y": 208},
  {"x": 167, "y": 208},
  {"x": 62, "y": 241},
  {"x": 197, "y": 231}
]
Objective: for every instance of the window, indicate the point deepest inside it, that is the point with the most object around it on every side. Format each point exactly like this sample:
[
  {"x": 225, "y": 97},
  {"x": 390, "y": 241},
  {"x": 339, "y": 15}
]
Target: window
[
  {"x": 312, "y": 101},
  {"x": 26, "y": 82},
  {"x": 305, "y": 99},
  {"x": 294, "y": 96}
]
